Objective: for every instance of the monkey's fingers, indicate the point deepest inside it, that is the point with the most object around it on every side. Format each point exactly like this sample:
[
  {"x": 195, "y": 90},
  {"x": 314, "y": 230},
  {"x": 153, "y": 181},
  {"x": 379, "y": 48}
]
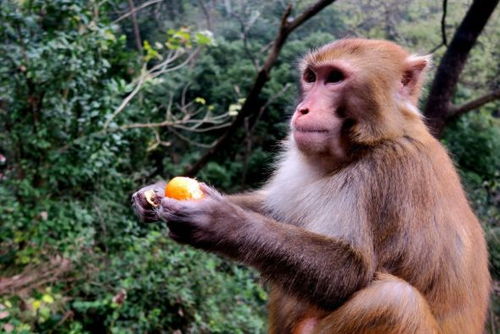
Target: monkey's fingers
[
  {"x": 209, "y": 191},
  {"x": 144, "y": 214},
  {"x": 173, "y": 210}
]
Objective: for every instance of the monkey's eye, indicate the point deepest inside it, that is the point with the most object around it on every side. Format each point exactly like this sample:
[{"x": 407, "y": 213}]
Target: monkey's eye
[
  {"x": 309, "y": 76},
  {"x": 335, "y": 76}
]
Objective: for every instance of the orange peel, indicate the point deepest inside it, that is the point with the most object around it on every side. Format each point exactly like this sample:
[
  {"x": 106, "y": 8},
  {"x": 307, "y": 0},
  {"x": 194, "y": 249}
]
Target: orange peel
[{"x": 150, "y": 196}]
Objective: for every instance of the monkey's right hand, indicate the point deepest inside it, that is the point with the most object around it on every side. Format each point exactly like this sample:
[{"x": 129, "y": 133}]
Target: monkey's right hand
[{"x": 143, "y": 201}]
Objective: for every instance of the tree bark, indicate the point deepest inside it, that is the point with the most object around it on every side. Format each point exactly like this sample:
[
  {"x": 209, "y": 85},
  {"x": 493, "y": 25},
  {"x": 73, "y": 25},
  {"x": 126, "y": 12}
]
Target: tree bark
[
  {"x": 438, "y": 107},
  {"x": 135, "y": 26}
]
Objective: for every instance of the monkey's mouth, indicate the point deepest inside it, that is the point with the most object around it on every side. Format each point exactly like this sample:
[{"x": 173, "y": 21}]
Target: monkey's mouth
[
  {"x": 310, "y": 138},
  {"x": 310, "y": 130}
]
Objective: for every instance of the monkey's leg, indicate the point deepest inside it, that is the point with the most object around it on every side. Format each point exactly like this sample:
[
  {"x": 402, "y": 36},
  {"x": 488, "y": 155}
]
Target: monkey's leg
[{"x": 388, "y": 305}]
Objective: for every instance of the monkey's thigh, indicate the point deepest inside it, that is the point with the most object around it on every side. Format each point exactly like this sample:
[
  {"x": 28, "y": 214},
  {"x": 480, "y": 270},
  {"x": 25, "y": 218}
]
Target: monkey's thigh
[{"x": 388, "y": 305}]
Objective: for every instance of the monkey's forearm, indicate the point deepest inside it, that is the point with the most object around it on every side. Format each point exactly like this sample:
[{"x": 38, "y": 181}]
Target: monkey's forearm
[
  {"x": 253, "y": 201},
  {"x": 320, "y": 269}
]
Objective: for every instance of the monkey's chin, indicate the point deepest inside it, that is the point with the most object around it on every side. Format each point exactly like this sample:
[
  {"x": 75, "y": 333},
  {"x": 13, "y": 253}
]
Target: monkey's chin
[{"x": 311, "y": 142}]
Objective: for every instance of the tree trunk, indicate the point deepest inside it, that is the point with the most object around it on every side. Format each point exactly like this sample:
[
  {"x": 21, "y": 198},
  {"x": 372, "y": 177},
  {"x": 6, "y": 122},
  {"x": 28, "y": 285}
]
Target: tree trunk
[{"x": 437, "y": 109}]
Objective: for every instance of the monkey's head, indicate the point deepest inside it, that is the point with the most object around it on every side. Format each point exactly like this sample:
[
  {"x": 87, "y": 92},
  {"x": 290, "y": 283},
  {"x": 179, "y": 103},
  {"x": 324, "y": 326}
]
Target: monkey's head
[{"x": 356, "y": 91}]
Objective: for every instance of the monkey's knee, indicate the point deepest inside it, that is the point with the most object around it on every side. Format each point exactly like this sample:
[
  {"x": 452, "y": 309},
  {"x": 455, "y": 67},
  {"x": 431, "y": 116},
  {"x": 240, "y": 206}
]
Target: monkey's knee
[{"x": 388, "y": 305}]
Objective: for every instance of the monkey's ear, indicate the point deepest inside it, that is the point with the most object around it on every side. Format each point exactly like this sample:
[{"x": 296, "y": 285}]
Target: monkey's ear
[{"x": 413, "y": 75}]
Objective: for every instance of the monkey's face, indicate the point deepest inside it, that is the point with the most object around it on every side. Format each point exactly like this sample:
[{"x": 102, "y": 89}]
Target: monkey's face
[
  {"x": 319, "y": 122},
  {"x": 356, "y": 91}
]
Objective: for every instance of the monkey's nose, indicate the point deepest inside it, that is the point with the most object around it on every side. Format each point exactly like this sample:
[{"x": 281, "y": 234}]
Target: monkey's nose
[{"x": 303, "y": 111}]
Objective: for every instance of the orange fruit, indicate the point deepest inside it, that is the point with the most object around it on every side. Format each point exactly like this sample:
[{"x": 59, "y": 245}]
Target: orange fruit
[{"x": 183, "y": 188}]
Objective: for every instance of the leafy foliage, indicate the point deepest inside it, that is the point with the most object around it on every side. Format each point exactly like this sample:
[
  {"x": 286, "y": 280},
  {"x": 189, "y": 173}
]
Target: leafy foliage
[{"x": 67, "y": 185}]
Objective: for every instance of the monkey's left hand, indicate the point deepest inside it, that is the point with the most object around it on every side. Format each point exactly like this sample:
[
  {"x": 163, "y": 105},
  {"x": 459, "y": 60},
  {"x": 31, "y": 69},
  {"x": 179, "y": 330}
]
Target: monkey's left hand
[{"x": 207, "y": 223}]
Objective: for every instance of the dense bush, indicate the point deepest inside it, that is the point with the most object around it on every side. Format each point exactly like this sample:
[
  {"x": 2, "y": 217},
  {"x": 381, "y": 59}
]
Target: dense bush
[{"x": 66, "y": 189}]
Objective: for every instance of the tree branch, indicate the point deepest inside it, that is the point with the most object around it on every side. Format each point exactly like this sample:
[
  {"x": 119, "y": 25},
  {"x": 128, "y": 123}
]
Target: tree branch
[
  {"x": 137, "y": 33},
  {"x": 206, "y": 12},
  {"x": 136, "y": 9},
  {"x": 443, "y": 23},
  {"x": 455, "y": 112},
  {"x": 252, "y": 104},
  {"x": 445, "y": 81},
  {"x": 152, "y": 73}
]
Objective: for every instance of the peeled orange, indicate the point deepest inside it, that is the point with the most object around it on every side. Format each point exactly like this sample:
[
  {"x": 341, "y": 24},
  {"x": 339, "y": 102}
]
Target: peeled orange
[{"x": 183, "y": 188}]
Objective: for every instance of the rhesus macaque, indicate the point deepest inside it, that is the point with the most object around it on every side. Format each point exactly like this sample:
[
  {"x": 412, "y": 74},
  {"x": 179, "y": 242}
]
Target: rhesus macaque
[{"x": 364, "y": 226}]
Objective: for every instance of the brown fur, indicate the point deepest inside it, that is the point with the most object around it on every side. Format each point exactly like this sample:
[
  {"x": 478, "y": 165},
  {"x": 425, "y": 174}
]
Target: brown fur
[
  {"x": 401, "y": 250},
  {"x": 364, "y": 227}
]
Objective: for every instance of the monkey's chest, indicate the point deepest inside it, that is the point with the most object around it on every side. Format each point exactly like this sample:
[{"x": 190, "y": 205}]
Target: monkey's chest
[{"x": 324, "y": 209}]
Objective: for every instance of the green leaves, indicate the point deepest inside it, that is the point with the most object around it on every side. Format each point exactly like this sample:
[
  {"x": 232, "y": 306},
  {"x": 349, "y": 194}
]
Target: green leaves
[
  {"x": 184, "y": 38},
  {"x": 204, "y": 37},
  {"x": 66, "y": 191},
  {"x": 150, "y": 52}
]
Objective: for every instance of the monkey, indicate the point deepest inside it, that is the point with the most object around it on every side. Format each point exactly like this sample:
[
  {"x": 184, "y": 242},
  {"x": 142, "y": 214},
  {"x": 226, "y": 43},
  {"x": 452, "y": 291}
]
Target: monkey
[{"x": 363, "y": 227}]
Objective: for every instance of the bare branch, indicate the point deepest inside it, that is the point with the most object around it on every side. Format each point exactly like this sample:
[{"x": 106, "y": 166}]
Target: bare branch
[
  {"x": 245, "y": 28},
  {"x": 126, "y": 101},
  {"x": 190, "y": 141},
  {"x": 252, "y": 104},
  {"x": 444, "y": 40},
  {"x": 146, "y": 125},
  {"x": 194, "y": 129},
  {"x": 474, "y": 104},
  {"x": 437, "y": 47},
  {"x": 35, "y": 276},
  {"x": 135, "y": 25},
  {"x": 154, "y": 72},
  {"x": 307, "y": 14},
  {"x": 206, "y": 12},
  {"x": 136, "y": 9},
  {"x": 264, "y": 107}
]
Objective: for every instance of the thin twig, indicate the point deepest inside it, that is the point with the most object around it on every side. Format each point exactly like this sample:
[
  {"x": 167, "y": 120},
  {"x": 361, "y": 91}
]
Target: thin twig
[
  {"x": 126, "y": 101},
  {"x": 193, "y": 129},
  {"x": 136, "y": 9},
  {"x": 264, "y": 107},
  {"x": 190, "y": 141},
  {"x": 146, "y": 125},
  {"x": 437, "y": 47}
]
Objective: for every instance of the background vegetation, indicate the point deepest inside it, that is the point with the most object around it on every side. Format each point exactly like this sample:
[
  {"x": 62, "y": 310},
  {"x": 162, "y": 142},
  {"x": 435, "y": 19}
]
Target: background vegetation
[{"x": 98, "y": 98}]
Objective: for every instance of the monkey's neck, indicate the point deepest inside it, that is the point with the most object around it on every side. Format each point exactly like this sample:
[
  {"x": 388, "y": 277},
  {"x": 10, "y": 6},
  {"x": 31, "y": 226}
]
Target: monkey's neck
[
  {"x": 312, "y": 167},
  {"x": 324, "y": 165}
]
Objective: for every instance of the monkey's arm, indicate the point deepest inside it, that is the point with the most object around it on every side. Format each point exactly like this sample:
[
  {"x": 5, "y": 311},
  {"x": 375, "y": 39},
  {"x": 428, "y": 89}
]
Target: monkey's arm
[
  {"x": 322, "y": 270},
  {"x": 253, "y": 201}
]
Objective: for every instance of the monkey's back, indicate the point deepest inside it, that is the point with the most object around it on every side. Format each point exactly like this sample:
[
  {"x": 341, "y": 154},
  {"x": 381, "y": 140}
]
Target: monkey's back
[{"x": 444, "y": 253}]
